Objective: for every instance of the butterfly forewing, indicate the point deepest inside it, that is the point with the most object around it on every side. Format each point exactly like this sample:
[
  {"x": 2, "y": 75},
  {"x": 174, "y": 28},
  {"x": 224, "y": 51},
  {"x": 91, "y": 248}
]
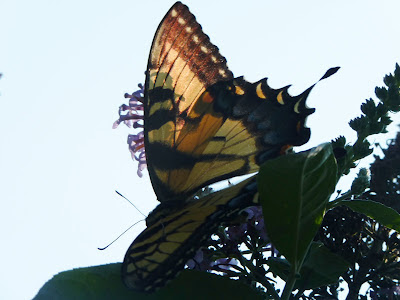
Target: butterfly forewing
[
  {"x": 201, "y": 124},
  {"x": 182, "y": 65},
  {"x": 183, "y": 60}
]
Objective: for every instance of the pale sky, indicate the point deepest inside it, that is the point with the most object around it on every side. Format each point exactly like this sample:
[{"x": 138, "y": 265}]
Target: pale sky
[{"x": 66, "y": 66}]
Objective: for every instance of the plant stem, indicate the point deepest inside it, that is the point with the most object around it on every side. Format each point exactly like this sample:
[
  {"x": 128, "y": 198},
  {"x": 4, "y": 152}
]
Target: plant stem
[
  {"x": 338, "y": 200},
  {"x": 287, "y": 291}
]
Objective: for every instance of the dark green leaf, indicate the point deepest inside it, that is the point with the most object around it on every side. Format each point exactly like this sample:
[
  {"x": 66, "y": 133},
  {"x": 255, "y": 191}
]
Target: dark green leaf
[
  {"x": 279, "y": 267},
  {"x": 321, "y": 267},
  {"x": 385, "y": 215},
  {"x": 294, "y": 190},
  {"x": 104, "y": 282},
  {"x": 99, "y": 282}
]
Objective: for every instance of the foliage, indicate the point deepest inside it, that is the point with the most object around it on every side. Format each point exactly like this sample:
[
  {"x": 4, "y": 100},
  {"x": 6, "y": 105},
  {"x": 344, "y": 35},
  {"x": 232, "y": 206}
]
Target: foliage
[
  {"x": 369, "y": 248},
  {"x": 104, "y": 283},
  {"x": 313, "y": 245}
]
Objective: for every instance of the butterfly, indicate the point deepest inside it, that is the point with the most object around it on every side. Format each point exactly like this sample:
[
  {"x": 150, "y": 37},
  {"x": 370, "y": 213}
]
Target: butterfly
[{"x": 201, "y": 126}]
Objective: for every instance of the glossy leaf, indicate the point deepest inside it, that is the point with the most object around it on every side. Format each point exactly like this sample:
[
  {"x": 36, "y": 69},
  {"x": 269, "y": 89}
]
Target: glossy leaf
[
  {"x": 294, "y": 190},
  {"x": 104, "y": 283},
  {"x": 381, "y": 213},
  {"x": 321, "y": 267}
]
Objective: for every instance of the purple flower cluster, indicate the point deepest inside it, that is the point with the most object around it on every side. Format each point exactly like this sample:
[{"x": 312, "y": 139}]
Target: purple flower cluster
[
  {"x": 226, "y": 251},
  {"x": 132, "y": 115},
  {"x": 254, "y": 222},
  {"x": 385, "y": 293}
]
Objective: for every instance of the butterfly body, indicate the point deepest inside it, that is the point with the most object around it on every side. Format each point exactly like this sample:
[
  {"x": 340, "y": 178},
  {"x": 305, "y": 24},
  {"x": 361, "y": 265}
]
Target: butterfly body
[{"x": 202, "y": 125}]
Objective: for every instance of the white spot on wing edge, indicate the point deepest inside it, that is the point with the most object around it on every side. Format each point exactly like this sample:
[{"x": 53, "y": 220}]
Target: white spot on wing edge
[
  {"x": 174, "y": 13},
  {"x": 204, "y": 49},
  {"x": 181, "y": 21}
]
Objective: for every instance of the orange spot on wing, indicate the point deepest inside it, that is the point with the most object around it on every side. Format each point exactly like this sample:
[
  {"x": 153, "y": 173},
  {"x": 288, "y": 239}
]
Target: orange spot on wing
[
  {"x": 284, "y": 149},
  {"x": 207, "y": 97},
  {"x": 298, "y": 126}
]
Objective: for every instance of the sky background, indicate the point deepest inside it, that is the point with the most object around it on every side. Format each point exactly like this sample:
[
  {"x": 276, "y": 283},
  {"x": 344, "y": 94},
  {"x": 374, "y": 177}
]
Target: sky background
[{"x": 66, "y": 66}]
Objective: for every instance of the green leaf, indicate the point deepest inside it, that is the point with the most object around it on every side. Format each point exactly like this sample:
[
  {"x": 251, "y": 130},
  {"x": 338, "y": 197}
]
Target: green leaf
[
  {"x": 381, "y": 213},
  {"x": 321, "y": 267},
  {"x": 279, "y": 267},
  {"x": 294, "y": 190},
  {"x": 104, "y": 283},
  {"x": 99, "y": 282}
]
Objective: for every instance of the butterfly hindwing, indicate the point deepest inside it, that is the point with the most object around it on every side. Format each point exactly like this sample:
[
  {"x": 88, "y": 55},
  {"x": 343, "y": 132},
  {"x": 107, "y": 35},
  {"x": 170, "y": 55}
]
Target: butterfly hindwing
[{"x": 171, "y": 239}]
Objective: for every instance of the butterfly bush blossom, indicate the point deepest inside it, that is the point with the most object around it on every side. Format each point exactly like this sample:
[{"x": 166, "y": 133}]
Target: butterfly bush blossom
[{"x": 132, "y": 116}]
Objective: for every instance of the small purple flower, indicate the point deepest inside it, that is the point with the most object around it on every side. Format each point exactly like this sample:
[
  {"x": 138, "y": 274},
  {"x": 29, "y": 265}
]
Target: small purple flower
[
  {"x": 256, "y": 219},
  {"x": 133, "y": 118},
  {"x": 237, "y": 233},
  {"x": 201, "y": 261},
  {"x": 225, "y": 263},
  {"x": 225, "y": 252}
]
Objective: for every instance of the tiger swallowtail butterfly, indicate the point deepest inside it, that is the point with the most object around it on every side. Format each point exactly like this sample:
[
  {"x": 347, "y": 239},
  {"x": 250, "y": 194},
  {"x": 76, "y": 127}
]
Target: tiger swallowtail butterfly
[{"x": 202, "y": 125}]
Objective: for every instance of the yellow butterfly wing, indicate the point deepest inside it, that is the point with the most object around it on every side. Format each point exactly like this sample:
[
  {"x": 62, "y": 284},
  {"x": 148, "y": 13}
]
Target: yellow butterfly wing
[
  {"x": 173, "y": 236},
  {"x": 201, "y": 124}
]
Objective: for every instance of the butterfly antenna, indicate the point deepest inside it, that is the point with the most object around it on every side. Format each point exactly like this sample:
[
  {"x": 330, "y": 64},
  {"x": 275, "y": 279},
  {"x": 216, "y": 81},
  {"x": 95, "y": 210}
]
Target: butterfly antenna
[
  {"x": 131, "y": 203},
  {"x": 120, "y": 235}
]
